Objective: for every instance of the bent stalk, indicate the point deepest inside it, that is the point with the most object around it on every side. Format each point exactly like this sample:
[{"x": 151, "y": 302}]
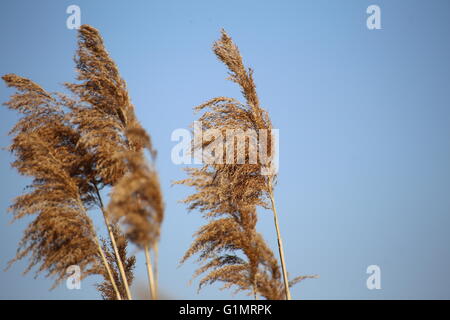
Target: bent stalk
[
  {"x": 116, "y": 251},
  {"x": 108, "y": 269},
  {"x": 280, "y": 242}
]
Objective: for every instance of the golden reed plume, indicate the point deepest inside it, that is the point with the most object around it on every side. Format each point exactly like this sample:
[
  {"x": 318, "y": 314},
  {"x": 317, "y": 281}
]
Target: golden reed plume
[
  {"x": 137, "y": 201},
  {"x": 106, "y": 119},
  {"x": 74, "y": 146},
  {"x": 45, "y": 147},
  {"x": 228, "y": 193}
]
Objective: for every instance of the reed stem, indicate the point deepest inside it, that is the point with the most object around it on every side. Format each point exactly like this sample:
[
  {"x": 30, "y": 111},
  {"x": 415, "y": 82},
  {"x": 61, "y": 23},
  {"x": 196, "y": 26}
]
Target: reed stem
[
  {"x": 151, "y": 278},
  {"x": 280, "y": 242},
  {"x": 114, "y": 244},
  {"x": 155, "y": 267},
  {"x": 108, "y": 269}
]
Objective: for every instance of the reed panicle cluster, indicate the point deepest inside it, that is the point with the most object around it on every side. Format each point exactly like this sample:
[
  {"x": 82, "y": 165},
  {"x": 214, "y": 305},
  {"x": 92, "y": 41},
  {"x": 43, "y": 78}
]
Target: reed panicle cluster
[
  {"x": 228, "y": 193},
  {"x": 106, "y": 119},
  {"x": 137, "y": 201},
  {"x": 73, "y": 146},
  {"x": 45, "y": 147},
  {"x": 104, "y": 112},
  {"x": 137, "y": 197}
]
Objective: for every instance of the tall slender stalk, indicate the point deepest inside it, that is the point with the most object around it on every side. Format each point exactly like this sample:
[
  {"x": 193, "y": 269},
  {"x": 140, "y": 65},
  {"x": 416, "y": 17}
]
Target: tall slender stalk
[
  {"x": 229, "y": 191},
  {"x": 280, "y": 242},
  {"x": 100, "y": 250},
  {"x": 63, "y": 141},
  {"x": 108, "y": 269},
  {"x": 155, "y": 268},
  {"x": 114, "y": 245},
  {"x": 150, "y": 274}
]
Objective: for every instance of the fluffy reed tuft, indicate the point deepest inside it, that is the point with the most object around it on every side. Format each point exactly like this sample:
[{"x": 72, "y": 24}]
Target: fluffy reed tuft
[
  {"x": 110, "y": 130},
  {"x": 137, "y": 198},
  {"x": 228, "y": 194},
  {"x": 136, "y": 201},
  {"x": 74, "y": 146},
  {"x": 105, "y": 112},
  {"x": 45, "y": 147}
]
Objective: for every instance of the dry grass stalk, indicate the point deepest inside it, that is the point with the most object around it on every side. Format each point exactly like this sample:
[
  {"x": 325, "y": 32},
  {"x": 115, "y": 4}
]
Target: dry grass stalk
[
  {"x": 110, "y": 280},
  {"x": 137, "y": 202},
  {"x": 228, "y": 194},
  {"x": 110, "y": 130},
  {"x": 151, "y": 275},
  {"x": 73, "y": 147},
  {"x": 106, "y": 289},
  {"x": 45, "y": 147},
  {"x": 101, "y": 117}
]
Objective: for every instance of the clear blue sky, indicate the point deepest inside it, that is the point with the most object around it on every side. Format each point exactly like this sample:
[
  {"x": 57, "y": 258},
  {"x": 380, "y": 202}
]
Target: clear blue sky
[{"x": 363, "y": 118}]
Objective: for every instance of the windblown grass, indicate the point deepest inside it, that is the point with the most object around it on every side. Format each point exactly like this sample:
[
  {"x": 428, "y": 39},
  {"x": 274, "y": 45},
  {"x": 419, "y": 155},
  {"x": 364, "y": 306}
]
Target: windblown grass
[
  {"x": 73, "y": 146},
  {"x": 228, "y": 194}
]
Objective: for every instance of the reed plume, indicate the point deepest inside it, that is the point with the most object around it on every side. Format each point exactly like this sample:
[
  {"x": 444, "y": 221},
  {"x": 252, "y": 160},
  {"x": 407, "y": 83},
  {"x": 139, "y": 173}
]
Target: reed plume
[
  {"x": 228, "y": 191},
  {"x": 74, "y": 146},
  {"x": 45, "y": 147},
  {"x": 137, "y": 201},
  {"x": 107, "y": 122}
]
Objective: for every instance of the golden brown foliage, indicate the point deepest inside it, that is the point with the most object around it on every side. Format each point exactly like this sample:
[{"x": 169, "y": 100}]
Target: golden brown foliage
[
  {"x": 73, "y": 146},
  {"x": 105, "y": 112},
  {"x": 137, "y": 197},
  {"x": 45, "y": 147},
  {"x": 106, "y": 120},
  {"x": 229, "y": 247}
]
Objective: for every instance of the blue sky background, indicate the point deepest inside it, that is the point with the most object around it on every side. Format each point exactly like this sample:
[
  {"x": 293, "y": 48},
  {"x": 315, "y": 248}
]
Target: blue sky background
[{"x": 363, "y": 118}]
